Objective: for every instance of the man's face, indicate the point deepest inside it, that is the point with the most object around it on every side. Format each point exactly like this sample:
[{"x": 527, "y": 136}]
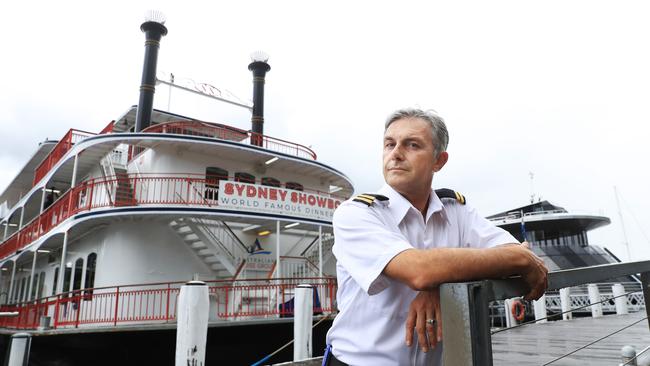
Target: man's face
[{"x": 409, "y": 161}]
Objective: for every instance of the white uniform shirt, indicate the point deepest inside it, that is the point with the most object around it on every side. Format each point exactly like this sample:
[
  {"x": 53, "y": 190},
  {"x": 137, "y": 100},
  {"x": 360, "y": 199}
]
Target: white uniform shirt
[{"x": 370, "y": 326}]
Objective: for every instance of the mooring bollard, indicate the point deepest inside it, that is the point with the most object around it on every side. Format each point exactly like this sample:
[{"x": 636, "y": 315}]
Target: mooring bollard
[
  {"x": 594, "y": 299},
  {"x": 19, "y": 349},
  {"x": 620, "y": 300},
  {"x": 539, "y": 306},
  {"x": 302, "y": 319},
  {"x": 565, "y": 303},
  {"x": 628, "y": 356},
  {"x": 192, "y": 325}
]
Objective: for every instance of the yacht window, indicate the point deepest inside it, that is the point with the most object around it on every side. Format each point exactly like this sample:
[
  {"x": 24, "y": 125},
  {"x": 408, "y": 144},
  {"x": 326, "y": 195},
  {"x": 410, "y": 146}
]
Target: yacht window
[
  {"x": 56, "y": 279},
  {"x": 212, "y": 177},
  {"x": 244, "y": 178},
  {"x": 295, "y": 186},
  {"x": 271, "y": 182},
  {"x": 32, "y": 295}
]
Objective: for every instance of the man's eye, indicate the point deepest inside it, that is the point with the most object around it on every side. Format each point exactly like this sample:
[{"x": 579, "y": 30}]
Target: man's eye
[
  {"x": 414, "y": 145},
  {"x": 389, "y": 144}
]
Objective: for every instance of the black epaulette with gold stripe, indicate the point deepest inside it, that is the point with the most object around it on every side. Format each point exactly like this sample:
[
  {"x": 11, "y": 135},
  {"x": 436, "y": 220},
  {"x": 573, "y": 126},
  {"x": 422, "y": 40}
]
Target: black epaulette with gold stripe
[
  {"x": 449, "y": 193},
  {"x": 369, "y": 199}
]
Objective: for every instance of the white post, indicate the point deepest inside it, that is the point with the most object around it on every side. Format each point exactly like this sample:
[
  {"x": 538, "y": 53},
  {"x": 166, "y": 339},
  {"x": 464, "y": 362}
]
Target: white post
[
  {"x": 192, "y": 325},
  {"x": 302, "y": 319},
  {"x": 620, "y": 300},
  {"x": 320, "y": 251},
  {"x": 22, "y": 216},
  {"x": 19, "y": 349},
  {"x": 278, "y": 266},
  {"x": 510, "y": 318},
  {"x": 565, "y": 303},
  {"x": 540, "y": 309},
  {"x": 59, "y": 284},
  {"x": 31, "y": 276},
  {"x": 594, "y": 298},
  {"x": 73, "y": 183},
  {"x": 6, "y": 228},
  {"x": 43, "y": 199},
  {"x": 11, "y": 283}
]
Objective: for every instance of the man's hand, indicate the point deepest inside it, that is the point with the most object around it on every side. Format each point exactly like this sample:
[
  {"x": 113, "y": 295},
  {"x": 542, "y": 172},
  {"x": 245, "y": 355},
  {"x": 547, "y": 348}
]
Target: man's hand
[
  {"x": 426, "y": 305},
  {"x": 535, "y": 274}
]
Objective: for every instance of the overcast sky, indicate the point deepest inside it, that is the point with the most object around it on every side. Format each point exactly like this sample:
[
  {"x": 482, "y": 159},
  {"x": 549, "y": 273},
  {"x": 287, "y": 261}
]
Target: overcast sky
[{"x": 557, "y": 88}]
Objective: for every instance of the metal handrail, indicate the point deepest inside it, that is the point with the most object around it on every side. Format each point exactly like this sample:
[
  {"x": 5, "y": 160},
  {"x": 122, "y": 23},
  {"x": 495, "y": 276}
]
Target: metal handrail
[{"x": 465, "y": 312}]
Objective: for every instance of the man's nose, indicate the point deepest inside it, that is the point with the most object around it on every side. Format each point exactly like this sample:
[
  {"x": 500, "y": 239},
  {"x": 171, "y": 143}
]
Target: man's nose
[{"x": 397, "y": 153}]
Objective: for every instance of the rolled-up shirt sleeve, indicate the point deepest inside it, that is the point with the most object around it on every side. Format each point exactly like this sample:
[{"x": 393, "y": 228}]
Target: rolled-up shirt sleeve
[{"x": 364, "y": 244}]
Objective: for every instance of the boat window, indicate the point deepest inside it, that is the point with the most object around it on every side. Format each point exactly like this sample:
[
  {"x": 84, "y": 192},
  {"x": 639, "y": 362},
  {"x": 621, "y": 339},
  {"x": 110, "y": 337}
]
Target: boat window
[
  {"x": 295, "y": 186},
  {"x": 271, "y": 182},
  {"x": 41, "y": 285},
  {"x": 244, "y": 178},
  {"x": 22, "y": 289},
  {"x": 66, "y": 278},
  {"x": 78, "y": 272},
  {"x": 90, "y": 274},
  {"x": 212, "y": 177},
  {"x": 32, "y": 295},
  {"x": 56, "y": 279}
]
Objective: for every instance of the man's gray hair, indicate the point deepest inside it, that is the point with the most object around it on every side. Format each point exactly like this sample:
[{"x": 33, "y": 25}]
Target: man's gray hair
[{"x": 437, "y": 124}]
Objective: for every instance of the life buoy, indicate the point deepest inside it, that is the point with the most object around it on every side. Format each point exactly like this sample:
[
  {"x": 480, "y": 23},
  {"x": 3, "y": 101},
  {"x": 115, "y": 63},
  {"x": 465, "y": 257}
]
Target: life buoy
[{"x": 518, "y": 310}]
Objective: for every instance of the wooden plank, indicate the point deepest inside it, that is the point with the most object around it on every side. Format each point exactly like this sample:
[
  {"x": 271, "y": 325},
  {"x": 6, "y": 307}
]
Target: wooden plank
[{"x": 537, "y": 344}]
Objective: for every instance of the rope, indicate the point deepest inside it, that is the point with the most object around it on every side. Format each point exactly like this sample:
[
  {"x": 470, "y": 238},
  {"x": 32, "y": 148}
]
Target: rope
[
  {"x": 596, "y": 341},
  {"x": 287, "y": 344},
  {"x": 562, "y": 313},
  {"x": 635, "y": 357}
]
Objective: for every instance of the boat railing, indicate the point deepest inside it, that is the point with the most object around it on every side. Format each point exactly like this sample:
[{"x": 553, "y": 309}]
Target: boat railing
[
  {"x": 465, "y": 306},
  {"x": 223, "y": 132},
  {"x": 138, "y": 190},
  {"x": 60, "y": 149},
  {"x": 155, "y": 303}
]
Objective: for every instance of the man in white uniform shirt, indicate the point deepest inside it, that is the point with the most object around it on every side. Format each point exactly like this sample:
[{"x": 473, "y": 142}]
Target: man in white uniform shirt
[{"x": 395, "y": 248}]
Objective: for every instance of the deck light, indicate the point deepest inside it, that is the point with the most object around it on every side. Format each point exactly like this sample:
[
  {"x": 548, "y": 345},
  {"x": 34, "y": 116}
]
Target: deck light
[
  {"x": 272, "y": 160},
  {"x": 264, "y": 233},
  {"x": 13, "y": 225},
  {"x": 42, "y": 251},
  {"x": 250, "y": 228},
  {"x": 292, "y": 225},
  {"x": 259, "y": 56}
]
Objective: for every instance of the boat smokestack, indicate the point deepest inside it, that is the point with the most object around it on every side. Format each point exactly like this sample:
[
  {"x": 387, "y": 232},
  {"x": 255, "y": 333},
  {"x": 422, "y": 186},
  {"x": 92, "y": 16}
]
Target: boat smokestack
[
  {"x": 259, "y": 67},
  {"x": 154, "y": 29}
]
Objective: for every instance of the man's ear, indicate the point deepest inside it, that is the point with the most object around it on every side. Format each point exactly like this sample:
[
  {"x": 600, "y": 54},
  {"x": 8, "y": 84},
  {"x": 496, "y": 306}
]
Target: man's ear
[{"x": 442, "y": 160}]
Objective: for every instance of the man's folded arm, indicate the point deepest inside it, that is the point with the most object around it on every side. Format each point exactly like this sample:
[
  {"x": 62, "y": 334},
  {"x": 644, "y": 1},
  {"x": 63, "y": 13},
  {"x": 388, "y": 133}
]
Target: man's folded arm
[{"x": 423, "y": 269}]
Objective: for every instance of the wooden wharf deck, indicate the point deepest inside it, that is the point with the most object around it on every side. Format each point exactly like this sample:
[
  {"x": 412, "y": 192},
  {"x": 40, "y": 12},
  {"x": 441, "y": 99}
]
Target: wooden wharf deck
[{"x": 537, "y": 344}]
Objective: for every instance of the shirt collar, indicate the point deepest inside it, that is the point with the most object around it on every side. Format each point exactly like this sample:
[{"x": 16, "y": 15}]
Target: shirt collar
[{"x": 399, "y": 205}]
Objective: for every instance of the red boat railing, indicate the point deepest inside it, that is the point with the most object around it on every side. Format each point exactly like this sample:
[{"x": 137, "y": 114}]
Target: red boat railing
[
  {"x": 213, "y": 130},
  {"x": 120, "y": 191},
  {"x": 62, "y": 147},
  {"x": 192, "y": 128},
  {"x": 156, "y": 303}
]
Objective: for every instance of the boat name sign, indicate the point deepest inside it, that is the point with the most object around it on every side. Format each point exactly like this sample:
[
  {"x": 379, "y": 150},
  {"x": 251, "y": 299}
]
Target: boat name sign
[{"x": 275, "y": 200}]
